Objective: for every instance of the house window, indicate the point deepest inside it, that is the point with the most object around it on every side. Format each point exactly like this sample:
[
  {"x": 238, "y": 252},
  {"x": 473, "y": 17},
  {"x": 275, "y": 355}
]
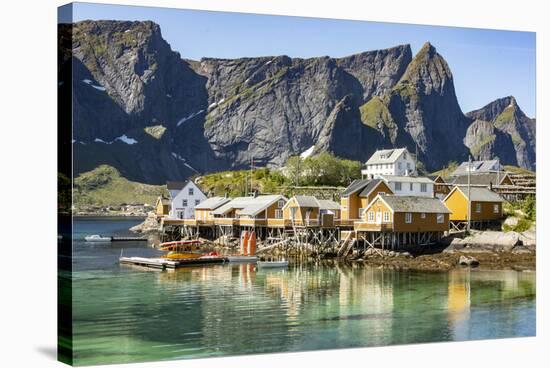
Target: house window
[
  {"x": 440, "y": 218},
  {"x": 293, "y": 213},
  {"x": 386, "y": 216},
  {"x": 411, "y": 187},
  {"x": 423, "y": 187},
  {"x": 280, "y": 203},
  {"x": 197, "y": 201},
  {"x": 408, "y": 218},
  {"x": 180, "y": 214},
  {"x": 405, "y": 155},
  {"x": 478, "y": 207},
  {"x": 397, "y": 186},
  {"x": 361, "y": 212},
  {"x": 408, "y": 165},
  {"x": 399, "y": 165},
  {"x": 184, "y": 202},
  {"x": 381, "y": 193},
  {"x": 371, "y": 216},
  {"x": 278, "y": 214},
  {"x": 423, "y": 215},
  {"x": 496, "y": 208}
]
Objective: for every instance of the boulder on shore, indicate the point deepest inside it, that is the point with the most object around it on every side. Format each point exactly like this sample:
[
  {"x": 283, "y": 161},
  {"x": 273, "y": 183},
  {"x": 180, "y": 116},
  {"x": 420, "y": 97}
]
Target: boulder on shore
[
  {"x": 486, "y": 241},
  {"x": 468, "y": 261},
  {"x": 150, "y": 225}
]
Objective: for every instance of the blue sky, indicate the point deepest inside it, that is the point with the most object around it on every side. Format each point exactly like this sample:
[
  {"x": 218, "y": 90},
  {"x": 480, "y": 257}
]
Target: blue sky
[{"x": 486, "y": 64}]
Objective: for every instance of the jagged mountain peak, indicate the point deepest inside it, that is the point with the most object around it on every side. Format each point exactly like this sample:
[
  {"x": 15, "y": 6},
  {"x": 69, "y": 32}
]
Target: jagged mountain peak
[{"x": 495, "y": 108}]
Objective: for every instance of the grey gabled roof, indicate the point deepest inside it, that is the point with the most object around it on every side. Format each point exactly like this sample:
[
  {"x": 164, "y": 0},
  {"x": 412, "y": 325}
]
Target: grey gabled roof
[
  {"x": 370, "y": 187},
  {"x": 407, "y": 179},
  {"x": 259, "y": 204},
  {"x": 326, "y": 204},
  {"x": 364, "y": 185},
  {"x": 248, "y": 206},
  {"x": 490, "y": 178},
  {"x": 478, "y": 194},
  {"x": 212, "y": 203},
  {"x": 477, "y": 166},
  {"x": 175, "y": 185},
  {"x": 385, "y": 156},
  {"x": 415, "y": 204},
  {"x": 306, "y": 201}
]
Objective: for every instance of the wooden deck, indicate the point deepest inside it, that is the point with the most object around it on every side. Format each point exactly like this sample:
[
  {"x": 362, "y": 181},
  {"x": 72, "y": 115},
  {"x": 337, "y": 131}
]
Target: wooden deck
[{"x": 372, "y": 226}]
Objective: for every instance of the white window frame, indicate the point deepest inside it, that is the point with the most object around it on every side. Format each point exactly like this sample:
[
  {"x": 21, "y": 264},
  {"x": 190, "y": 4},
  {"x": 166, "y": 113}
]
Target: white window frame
[
  {"x": 408, "y": 218},
  {"x": 370, "y": 215},
  {"x": 411, "y": 187},
  {"x": 398, "y": 186},
  {"x": 496, "y": 208},
  {"x": 278, "y": 213},
  {"x": 423, "y": 187},
  {"x": 478, "y": 207},
  {"x": 280, "y": 203},
  {"x": 197, "y": 201},
  {"x": 423, "y": 215},
  {"x": 191, "y": 191},
  {"x": 386, "y": 216},
  {"x": 440, "y": 218},
  {"x": 184, "y": 203}
]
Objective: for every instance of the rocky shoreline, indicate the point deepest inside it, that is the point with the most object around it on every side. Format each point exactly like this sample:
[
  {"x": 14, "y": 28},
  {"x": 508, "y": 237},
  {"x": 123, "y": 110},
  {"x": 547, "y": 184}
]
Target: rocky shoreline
[{"x": 495, "y": 250}]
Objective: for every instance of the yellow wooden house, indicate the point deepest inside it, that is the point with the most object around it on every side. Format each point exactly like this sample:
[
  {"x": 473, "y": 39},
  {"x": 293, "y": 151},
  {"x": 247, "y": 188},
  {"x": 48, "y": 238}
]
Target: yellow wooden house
[
  {"x": 304, "y": 210},
  {"x": 358, "y": 195},
  {"x": 203, "y": 211},
  {"x": 162, "y": 206},
  {"x": 400, "y": 214},
  {"x": 486, "y": 205}
]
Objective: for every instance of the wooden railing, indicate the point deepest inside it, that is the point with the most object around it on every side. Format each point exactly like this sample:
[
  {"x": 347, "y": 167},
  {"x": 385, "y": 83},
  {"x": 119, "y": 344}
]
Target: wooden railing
[{"x": 372, "y": 226}]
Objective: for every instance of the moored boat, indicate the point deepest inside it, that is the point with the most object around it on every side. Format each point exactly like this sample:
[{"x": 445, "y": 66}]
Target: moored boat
[
  {"x": 272, "y": 264},
  {"x": 182, "y": 249},
  {"x": 241, "y": 258},
  {"x": 97, "y": 238}
]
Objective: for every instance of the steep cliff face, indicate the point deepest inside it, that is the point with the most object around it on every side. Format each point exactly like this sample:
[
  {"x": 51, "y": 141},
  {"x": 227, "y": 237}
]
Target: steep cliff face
[
  {"x": 425, "y": 110},
  {"x": 141, "y": 108},
  {"x": 506, "y": 120}
]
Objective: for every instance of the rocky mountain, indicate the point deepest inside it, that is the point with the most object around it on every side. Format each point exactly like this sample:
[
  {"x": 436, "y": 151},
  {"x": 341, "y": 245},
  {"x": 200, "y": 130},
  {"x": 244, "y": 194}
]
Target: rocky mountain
[
  {"x": 507, "y": 133},
  {"x": 154, "y": 116}
]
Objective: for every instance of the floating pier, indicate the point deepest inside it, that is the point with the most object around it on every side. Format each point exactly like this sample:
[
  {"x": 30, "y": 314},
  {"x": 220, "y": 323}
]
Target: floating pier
[
  {"x": 170, "y": 264},
  {"x": 128, "y": 238}
]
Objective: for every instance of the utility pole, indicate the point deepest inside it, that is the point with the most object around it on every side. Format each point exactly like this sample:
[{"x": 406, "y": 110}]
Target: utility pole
[{"x": 469, "y": 201}]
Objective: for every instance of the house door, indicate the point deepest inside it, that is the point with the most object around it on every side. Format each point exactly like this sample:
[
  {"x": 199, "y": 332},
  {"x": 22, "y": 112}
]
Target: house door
[{"x": 379, "y": 216}]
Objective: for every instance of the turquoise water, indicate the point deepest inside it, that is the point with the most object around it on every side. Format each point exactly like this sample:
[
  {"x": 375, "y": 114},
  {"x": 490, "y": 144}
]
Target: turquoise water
[{"x": 127, "y": 314}]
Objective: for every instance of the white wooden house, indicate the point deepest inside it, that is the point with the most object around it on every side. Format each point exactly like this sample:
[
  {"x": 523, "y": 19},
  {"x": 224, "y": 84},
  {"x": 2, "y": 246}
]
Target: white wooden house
[
  {"x": 184, "y": 196},
  {"x": 409, "y": 185},
  {"x": 397, "y": 162}
]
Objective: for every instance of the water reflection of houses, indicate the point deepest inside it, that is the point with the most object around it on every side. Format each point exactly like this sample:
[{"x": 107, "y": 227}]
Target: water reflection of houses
[
  {"x": 458, "y": 304},
  {"x": 368, "y": 293}
]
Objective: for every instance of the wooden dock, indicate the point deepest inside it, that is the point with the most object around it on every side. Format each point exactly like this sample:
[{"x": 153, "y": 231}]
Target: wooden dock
[
  {"x": 170, "y": 264},
  {"x": 128, "y": 238}
]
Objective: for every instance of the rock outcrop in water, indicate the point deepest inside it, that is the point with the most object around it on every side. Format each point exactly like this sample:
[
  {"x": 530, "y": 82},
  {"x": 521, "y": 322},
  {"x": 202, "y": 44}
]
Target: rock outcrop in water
[{"x": 217, "y": 114}]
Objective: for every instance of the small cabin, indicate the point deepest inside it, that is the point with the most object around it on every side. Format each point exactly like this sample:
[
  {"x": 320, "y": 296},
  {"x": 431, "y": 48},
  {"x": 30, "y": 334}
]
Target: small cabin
[
  {"x": 359, "y": 194},
  {"x": 441, "y": 187},
  {"x": 303, "y": 210},
  {"x": 487, "y": 180},
  {"x": 203, "y": 211},
  {"x": 405, "y": 214},
  {"x": 162, "y": 206},
  {"x": 486, "y": 205}
]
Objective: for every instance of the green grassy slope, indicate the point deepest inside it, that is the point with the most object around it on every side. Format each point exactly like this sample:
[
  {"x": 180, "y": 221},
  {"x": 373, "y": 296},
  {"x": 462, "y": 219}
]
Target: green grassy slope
[{"x": 105, "y": 186}]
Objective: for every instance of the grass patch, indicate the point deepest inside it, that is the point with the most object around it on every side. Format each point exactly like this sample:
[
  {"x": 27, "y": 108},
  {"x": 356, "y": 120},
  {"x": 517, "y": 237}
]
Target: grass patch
[
  {"x": 155, "y": 131},
  {"x": 374, "y": 113},
  {"x": 105, "y": 186},
  {"x": 476, "y": 149}
]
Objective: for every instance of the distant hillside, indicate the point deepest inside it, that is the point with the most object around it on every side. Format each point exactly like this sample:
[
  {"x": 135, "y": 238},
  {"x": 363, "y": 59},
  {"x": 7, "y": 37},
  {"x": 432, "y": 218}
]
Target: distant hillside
[{"x": 105, "y": 186}]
